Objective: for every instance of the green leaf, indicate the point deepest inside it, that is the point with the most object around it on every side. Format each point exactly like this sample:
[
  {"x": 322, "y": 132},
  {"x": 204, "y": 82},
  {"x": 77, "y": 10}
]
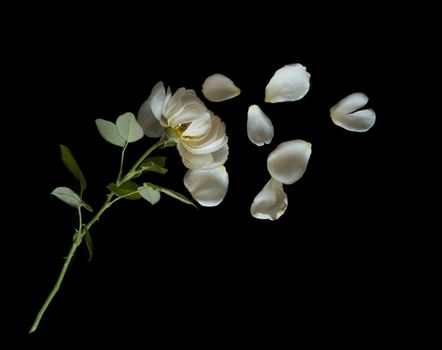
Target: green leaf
[
  {"x": 159, "y": 160},
  {"x": 125, "y": 190},
  {"x": 78, "y": 237},
  {"x": 72, "y": 165},
  {"x": 134, "y": 174},
  {"x": 68, "y": 196},
  {"x": 154, "y": 168},
  {"x": 128, "y": 128},
  {"x": 89, "y": 245},
  {"x": 87, "y": 206},
  {"x": 154, "y": 164},
  {"x": 178, "y": 196},
  {"x": 149, "y": 194},
  {"x": 171, "y": 193},
  {"x": 109, "y": 132}
]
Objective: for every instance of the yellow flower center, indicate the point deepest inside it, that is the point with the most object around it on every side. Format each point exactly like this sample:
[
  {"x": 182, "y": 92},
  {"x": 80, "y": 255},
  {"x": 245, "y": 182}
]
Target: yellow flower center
[{"x": 179, "y": 130}]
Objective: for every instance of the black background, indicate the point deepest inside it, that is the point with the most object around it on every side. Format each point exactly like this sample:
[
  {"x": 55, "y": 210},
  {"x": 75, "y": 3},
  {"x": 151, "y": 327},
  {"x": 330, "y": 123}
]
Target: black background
[{"x": 351, "y": 250}]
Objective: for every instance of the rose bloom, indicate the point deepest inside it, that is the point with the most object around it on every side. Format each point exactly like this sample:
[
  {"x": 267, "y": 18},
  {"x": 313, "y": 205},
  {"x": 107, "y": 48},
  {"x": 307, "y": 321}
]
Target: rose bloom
[{"x": 200, "y": 135}]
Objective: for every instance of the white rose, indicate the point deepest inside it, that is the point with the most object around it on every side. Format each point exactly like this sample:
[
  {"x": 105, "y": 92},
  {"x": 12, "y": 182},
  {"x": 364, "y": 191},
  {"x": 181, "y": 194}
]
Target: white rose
[{"x": 201, "y": 135}]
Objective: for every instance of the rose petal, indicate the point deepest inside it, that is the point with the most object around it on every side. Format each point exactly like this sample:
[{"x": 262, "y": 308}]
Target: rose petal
[
  {"x": 187, "y": 109},
  {"x": 289, "y": 83},
  {"x": 203, "y": 161},
  {"x": 146, "y": 119},
  {"x": 343, "y": 113},
  {"x": 157, "y": 98},
  {"x": 259, "y": 127},
  {"x": 218, "y": 87},
  {"x": 349, "y": 104},
  {"x": 219, "y": 157},
  {"x": 359, "y": 121},
  {"x": 198, "y": 128},
  {"x": 211, "y": 142},
  {"x": 174, "y": 102},
  {"x": 194, "y": 161},
  {"x": 271, "y": 202},
  {"x": 207, "y": 187},
  {"x": 288, "y": 161}
]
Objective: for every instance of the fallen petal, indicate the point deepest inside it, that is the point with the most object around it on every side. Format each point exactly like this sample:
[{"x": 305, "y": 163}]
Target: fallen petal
[
  {"x": 218, "y": 87},
  {"x": 289, "y": 83},
  {"x": 343, "y": 113},
  {"x": 259, "y": 127},
  {"x": 349, "y": 104},
  {"x": 271, "y": 202},
  {"x": 359, "y": 121},
  {"x": 288, "y": 162}
]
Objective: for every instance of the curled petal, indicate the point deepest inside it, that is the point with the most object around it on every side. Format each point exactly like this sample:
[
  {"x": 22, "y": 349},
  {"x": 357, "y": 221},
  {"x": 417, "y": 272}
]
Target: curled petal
[
  {"x": 207, "y": 187},
  {"x": 359, "y": 121},
  {"x": 343, "y": 113},
  {"x": 145, "y": 117},
  {"x": 219, "y": 157},
  {"x": 271, "y": 202},
  {"x": 198, "y": 128},
  {"x": 210, "y": 142},
  {"x": 203, "y": 161},
  {"x": 157, "y": 98},
  {"x": 259, "y": 127},
  {"x": 288, "y": 162},
  {"x": 289, "y": 83},
  {"x": 194, "y": 161},
  {"x": 349, "y": 104},
  {"x": 174, "y": 102},
  {"x": 166, "y": 100},
  {"x": 188, "y": 109},
  {"x": 218, "y": 87}
]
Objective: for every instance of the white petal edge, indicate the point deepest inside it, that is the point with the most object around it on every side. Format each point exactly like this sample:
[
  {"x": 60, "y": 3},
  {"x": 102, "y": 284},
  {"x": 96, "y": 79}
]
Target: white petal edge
[
  {"x": 204, "y": 161},
  {"x": 260, "y": 128},
  {"x": 157, "y": 98},
  {"x": 207, "y": 187},
  {"x": 349, "y": 104},
  {"x": 289, "y": 83},
  {"x": 218, "y": 88},
  {"x": 288, "y": 161},
  {"x": 271, "y": 202},
  {"x": 146, "y": 119},
  {"x": 359, "y": 121}
]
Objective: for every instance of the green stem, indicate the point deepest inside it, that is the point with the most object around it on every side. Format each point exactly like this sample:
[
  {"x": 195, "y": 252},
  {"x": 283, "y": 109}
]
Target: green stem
[
  {"x": 79, "y": 238},
  {"x": 55, "y": 289},
  {"x": 121, "y": 164},
  {"x": 141, "y": 159},
  {"x": 80, "y": 220},
  {"x": 75, "y": 245},
  {"x": 106, "y": 205}
]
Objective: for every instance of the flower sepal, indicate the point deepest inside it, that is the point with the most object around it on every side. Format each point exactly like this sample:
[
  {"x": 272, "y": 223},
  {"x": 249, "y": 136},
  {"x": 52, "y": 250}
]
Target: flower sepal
[{"x": 169, "y": 139}]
